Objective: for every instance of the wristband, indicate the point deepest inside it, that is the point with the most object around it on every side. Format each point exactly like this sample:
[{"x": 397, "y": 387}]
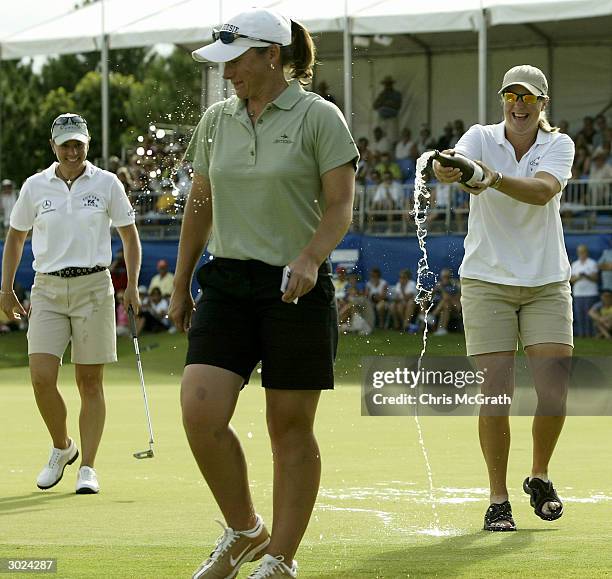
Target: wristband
[{"x": 497, "y": 181}]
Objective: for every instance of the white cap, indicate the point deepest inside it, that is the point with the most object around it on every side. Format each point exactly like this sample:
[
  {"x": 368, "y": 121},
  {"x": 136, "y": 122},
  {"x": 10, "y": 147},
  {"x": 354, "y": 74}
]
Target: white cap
[
  {"x": 263, "y": 27},
  {"x": 75, "y": 128},
  {"x": 527, "y": 76}
]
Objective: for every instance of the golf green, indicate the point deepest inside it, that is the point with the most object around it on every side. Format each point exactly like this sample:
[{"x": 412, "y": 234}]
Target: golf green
[{"x": 373, "y": 518}]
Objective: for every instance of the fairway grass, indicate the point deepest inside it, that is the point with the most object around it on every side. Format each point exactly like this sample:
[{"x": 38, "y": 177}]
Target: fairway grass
[{"x": 373, "y": 518}]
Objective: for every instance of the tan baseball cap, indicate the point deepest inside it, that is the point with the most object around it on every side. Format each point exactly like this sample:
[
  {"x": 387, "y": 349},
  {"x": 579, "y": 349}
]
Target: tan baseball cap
[{"x": 527, "y": 76}]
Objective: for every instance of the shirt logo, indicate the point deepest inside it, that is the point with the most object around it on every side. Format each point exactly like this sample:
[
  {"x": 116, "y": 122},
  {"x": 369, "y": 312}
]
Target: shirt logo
[
  {"x": 92, "y": 201},
  {"x": 47, "y": 207},
  {"x": 284, "y": 139}
]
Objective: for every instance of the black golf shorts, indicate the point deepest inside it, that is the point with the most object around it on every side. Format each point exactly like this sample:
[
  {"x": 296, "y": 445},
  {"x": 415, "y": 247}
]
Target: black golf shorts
[{"x": 241, "y": 320}]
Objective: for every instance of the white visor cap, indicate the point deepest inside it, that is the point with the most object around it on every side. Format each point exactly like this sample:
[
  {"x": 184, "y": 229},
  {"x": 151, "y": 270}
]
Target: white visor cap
[{"x": 262, "y": 27}]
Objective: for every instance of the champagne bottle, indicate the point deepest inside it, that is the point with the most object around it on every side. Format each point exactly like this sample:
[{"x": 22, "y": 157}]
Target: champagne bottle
[{"x": 471, "y": 173}]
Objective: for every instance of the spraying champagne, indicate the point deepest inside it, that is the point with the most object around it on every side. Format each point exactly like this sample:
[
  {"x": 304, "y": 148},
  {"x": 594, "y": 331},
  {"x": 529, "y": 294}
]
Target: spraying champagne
[{"x": 471, "y": 173}]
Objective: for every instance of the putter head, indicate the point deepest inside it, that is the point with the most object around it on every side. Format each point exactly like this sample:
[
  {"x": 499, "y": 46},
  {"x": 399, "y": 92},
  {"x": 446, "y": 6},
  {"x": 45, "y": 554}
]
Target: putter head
[{"x": 144, "y": 454}]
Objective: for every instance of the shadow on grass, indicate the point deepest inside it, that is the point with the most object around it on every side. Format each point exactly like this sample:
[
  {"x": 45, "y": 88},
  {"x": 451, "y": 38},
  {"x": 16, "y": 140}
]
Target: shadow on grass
[
  {"x": 444, "y": 558},
  {"x": 22, "y": 503}
]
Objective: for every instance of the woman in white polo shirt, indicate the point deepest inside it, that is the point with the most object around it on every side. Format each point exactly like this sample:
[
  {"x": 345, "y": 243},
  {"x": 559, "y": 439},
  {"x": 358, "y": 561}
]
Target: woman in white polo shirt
[
  {"x": 515, "y": 279},
  {"x": 69, "y": 207},
  {"x": 274, "y": 181}
]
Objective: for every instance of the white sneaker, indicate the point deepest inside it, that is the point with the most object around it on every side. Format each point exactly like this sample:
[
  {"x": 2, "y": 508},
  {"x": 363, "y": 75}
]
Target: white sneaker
[
  {"x": 58, "y": 460},
  {"x": 87, "y": 481},
  {"x": 233, "y": 549},
  {"x": 272, "y": 567}
]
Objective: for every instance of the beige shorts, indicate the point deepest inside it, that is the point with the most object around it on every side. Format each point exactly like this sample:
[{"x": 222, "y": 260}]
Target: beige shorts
[
  {"x": 78, "y": 308},
  {"x": 496, "y": 316}
]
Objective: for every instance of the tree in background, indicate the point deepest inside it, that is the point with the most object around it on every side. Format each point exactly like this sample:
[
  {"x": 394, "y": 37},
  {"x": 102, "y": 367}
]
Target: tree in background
[
  {"x": 145, "y": 88},
  {"x": 20, "y": 96}
]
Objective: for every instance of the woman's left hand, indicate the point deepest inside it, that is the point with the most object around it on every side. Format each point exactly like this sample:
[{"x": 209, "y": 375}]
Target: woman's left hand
[
  {"x": 131, "y": 298},
  {"x": 488, "y": 179},
  {"x": 304, "y": 273}
]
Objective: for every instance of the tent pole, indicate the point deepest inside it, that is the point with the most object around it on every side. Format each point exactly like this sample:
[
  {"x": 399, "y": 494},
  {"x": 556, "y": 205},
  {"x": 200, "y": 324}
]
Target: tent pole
[
  {"x": 204, "y": 88},
  {"x": 482, "y": 69},
  {"x": 429, "y": 60},
  {"x": 1, "y": 111},
  {"x": 551, "y": 76},
  {"x": 105, "y": 111},
  {"x": 348, "y": 71},
  {"x": 104, "y": 73}
]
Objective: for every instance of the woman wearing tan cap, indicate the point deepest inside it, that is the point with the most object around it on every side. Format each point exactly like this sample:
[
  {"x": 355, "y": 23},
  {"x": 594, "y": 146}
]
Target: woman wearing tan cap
[
  {"x": 515, "y": 280},
  {"x": 70, "y": 207}
]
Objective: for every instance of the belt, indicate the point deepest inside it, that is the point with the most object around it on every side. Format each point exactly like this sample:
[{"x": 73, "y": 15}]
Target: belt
[{"x": 77, "y": 271}]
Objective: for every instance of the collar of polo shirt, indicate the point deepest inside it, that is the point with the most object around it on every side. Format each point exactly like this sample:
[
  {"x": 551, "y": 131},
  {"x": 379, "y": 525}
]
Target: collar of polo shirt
[
  {"x": 49, "y": 172},
  {"x": 286, "y": 100},
  {"x": 499, "y": 132}
]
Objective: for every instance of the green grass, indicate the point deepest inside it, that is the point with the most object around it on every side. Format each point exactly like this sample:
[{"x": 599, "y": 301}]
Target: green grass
[{"x": 155, "y": 518}]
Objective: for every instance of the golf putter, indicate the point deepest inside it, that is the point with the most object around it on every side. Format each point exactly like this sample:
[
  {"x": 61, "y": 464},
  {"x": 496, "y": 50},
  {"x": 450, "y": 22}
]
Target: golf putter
[{"x": 142, "y": 453}]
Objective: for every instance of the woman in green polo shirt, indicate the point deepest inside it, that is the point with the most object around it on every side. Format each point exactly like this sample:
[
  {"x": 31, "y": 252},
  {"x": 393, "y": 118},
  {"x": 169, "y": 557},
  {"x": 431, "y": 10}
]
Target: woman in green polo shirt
[{"x": 273, "y": 187}]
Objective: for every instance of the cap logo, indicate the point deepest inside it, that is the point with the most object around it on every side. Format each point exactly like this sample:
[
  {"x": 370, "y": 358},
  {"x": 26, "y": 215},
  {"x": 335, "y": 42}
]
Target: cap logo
[{"x": 230, "y": 28}]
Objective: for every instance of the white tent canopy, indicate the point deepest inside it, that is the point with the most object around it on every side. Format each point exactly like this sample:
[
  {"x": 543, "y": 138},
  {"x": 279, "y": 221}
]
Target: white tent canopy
[
  {"x": 147, "y": 22},
  {"x": 445, "y": 28}
]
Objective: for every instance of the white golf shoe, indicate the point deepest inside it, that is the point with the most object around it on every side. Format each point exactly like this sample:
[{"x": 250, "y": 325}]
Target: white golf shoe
[
  {"x": 274, "y": 567},
  {"x": 87, "y": 481},
  {"x": 54, "y": 470}
]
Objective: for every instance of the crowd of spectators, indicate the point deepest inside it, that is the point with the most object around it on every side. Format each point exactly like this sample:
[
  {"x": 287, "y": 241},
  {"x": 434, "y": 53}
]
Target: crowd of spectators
[
  {"x": 387, "y": 166},
  {"x": 367, "y": 305},
  {"x": 155, "y": 180},
  {"x": 592, "y": 294},
  {"x": 158, "y": 183},
  {"x": 154, "y": 299},
  {"x": 375, "y": 304}
]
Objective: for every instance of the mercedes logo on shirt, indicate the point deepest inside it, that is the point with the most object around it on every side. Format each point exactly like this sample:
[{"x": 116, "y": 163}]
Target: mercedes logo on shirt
[{"x": 46, "y": 204}]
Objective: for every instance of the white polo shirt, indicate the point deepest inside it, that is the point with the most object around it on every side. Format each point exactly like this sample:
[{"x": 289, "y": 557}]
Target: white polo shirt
[
  {"x": 511, "y": 242},
  {"x": 71, "y": 227}
]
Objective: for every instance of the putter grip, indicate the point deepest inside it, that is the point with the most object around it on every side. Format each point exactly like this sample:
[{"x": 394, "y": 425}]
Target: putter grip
[{"x": 132, "y": 321}]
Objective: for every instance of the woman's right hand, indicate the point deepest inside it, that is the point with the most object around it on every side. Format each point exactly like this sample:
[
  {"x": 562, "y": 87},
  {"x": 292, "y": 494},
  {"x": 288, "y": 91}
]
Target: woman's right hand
[
  {"x": 446, "y": 174},
  {"x": 181, "y": 309},
  {"x": 11, "y": 306}
]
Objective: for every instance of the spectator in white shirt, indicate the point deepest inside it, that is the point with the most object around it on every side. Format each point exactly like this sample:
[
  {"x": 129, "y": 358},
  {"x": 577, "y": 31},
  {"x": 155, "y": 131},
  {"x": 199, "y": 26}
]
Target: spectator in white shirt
[
  {"x": 154, "y": 313},
  {"x": 389, "y": 196},
  {"x": 380, "y": 143},
  {"x": 406, "y": 148},
  {"x": 584, "y": 290},
  {"x": 403, "y": 308},
  {"x": 600, "y": 172},
  {"x": 377, "y": 291},
  {"x": 8, "y": 198}
]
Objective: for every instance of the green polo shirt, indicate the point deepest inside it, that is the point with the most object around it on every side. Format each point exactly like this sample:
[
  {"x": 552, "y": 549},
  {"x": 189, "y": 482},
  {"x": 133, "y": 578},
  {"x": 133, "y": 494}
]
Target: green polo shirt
[{"x": 267, "y": 196}]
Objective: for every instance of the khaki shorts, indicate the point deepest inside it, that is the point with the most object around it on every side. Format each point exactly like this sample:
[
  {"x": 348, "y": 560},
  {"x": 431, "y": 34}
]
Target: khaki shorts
[
  {"x": 496, "y": 316},
  {"x": 78, "y": 308}
]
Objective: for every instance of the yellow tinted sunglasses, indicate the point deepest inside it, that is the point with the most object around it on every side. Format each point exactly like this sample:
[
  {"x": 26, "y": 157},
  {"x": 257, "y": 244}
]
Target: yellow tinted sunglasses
[{"x": 528, "y": 99}]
